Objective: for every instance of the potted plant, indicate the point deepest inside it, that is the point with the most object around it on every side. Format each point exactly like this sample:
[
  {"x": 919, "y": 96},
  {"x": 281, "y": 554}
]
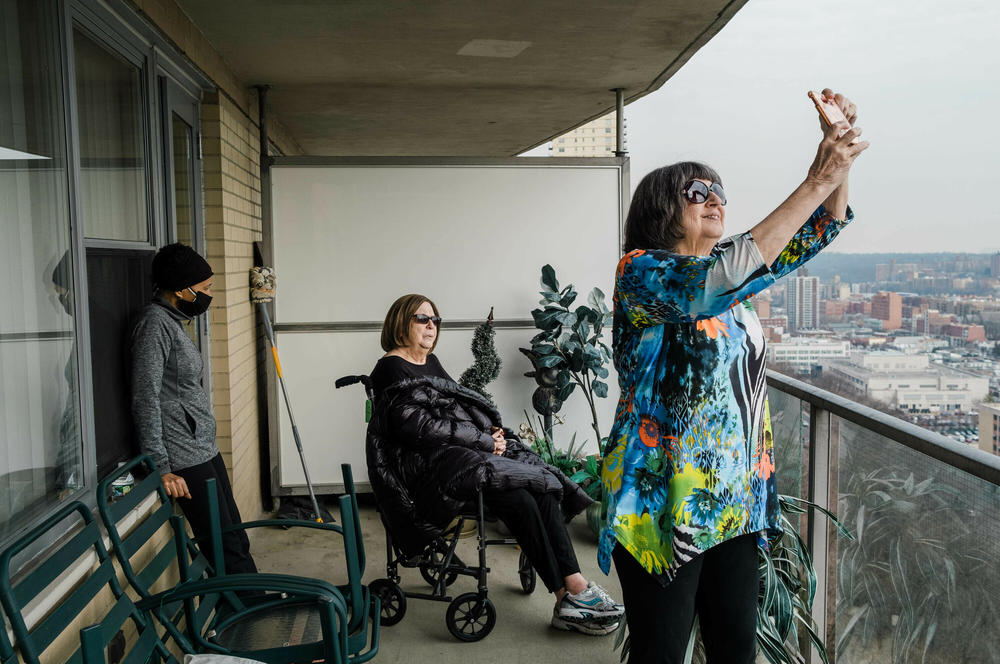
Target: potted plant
[
  {"x": 569, "y": 353},
  {"x": 570, "y": 343}
]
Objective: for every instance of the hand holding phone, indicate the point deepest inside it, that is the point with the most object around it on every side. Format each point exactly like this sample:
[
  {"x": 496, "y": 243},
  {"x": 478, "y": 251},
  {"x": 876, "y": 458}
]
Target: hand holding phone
[{"x": 829, "y": 111}]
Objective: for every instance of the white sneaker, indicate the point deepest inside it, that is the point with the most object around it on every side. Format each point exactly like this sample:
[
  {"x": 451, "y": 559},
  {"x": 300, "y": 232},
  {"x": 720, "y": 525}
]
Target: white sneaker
[{"x": 590, "y": 611}]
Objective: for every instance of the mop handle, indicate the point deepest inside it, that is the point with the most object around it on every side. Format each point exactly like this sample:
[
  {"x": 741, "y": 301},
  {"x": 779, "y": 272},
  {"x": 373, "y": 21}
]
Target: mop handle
[{"x": 261, "y": 292}]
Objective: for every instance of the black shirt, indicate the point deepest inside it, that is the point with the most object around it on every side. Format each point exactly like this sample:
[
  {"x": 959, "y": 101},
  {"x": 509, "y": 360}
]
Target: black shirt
[{"x": 392, "y": 368}]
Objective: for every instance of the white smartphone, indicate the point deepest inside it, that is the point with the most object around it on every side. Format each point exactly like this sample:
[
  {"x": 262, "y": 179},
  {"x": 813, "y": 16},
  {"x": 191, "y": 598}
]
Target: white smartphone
[{"x": 828, "y": 110}]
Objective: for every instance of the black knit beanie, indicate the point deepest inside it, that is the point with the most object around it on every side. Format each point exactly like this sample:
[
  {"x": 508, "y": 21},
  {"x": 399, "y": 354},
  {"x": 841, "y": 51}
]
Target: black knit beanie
[{"x": 178, "y": 266}]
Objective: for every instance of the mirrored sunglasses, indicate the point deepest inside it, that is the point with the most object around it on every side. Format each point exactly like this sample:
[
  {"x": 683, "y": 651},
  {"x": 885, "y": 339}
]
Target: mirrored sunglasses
[{"x": 696, "y": 191}]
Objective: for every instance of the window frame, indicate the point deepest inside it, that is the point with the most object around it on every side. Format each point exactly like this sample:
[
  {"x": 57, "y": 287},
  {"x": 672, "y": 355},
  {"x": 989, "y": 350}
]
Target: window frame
[{"x": 118, "y": 27}]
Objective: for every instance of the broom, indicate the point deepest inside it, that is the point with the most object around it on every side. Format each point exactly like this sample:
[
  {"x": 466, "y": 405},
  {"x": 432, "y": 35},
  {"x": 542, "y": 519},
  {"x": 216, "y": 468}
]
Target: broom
[{"x": 262, "y": 285}]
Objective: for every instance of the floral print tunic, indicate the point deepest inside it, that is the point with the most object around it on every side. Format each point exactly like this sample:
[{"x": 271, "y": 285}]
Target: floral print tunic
[{"x": 691, "y": 460}]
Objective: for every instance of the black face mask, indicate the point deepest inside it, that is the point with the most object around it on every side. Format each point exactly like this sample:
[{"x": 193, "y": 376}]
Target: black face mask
[{"x": 197, "y": 307}]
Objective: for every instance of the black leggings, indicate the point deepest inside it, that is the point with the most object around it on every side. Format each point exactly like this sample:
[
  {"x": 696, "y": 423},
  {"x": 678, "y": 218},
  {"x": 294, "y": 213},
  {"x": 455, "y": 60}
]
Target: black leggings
[
  {"x": 536, "y": 521},
  {"x": 235, "y": 545},
  {"x": 720, "y": 585}
]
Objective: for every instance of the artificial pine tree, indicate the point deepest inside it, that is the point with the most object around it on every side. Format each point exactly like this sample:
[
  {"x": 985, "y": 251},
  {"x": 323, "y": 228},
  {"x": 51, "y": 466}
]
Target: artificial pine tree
[{"x": 486, "y": 365}]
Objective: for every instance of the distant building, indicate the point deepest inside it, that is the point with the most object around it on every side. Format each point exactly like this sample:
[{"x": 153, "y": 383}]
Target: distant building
[
  {"x": 916, "y": 344},
  {"x": 964, "y": 333},
  {"x": 762, "y": 307},
  {"x": 932, "y": 322},
  {"x": 804, "y": 353},
  {"x": 594, "y": 139},
  {"x": 989, "y": 427},
  {"x": 833, "y": 311},
  {"x": 775, "y": 327},
  {"x": 802, "y": 303},
  {"x": 908, "y": 382},
  {"x": 863, "y": 307},
  {"x": 888, "y": 308}
]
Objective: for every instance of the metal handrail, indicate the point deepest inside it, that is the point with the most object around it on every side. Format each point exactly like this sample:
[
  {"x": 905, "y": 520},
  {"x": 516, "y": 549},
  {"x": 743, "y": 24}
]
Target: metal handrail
[{"x": 968, "y": 459}]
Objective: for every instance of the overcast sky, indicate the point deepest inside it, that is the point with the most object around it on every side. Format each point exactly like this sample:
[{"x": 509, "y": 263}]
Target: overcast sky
[{"x": 925, "y": 75}]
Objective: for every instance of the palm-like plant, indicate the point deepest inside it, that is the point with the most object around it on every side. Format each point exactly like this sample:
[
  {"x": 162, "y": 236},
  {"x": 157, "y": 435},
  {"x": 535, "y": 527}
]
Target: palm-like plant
[{"x": 920, "y": 578}]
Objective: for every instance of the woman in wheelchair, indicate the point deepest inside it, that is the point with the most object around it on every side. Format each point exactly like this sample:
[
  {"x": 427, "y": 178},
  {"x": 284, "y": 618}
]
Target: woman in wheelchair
[{"x": 433, "y": 445}]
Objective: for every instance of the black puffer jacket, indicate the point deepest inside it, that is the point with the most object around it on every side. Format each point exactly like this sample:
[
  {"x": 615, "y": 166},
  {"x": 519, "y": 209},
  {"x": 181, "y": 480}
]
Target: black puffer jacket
[{"x": 430, "y": 450}]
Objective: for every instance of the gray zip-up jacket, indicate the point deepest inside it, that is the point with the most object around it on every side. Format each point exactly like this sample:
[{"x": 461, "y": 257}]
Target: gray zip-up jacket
[{"x": 172, "y": 413}]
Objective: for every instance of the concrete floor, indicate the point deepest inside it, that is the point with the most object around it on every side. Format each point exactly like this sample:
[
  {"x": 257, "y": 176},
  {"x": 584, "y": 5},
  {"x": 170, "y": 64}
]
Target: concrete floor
[{"x": 522, "y": 631}]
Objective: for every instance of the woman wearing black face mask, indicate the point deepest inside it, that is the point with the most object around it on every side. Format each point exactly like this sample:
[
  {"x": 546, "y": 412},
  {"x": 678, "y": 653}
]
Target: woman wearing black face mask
[{"x": 172, "y": 412}]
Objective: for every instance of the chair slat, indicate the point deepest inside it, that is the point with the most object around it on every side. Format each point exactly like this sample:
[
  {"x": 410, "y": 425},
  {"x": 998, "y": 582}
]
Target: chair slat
[
  {"x": 35, "y": 582},
  {"x": 155, "y": 568},
  {"x": 144, "y": 647},
  {"x": 48, "y": 629},
  {"x": 142, "y": 533}
]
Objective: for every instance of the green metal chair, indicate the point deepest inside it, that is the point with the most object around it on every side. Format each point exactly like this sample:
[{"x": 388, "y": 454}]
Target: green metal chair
[
  {"x": 227, "y": 622},
  {"x": 362, "y": 646},
  {"x": 84, "y": 548}
]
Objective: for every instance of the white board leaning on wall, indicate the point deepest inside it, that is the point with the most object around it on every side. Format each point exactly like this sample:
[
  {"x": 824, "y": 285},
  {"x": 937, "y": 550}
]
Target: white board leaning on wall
[{"x": 350, "y": 236}]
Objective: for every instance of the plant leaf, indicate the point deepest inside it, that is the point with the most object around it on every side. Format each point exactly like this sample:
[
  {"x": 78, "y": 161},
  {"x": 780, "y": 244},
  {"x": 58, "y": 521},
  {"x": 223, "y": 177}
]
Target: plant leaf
[
  {"x": 549, "y": 281},
  {"x": 565, "y": 391},
  {"x": 568, "y": 296},
  {"x": 600, "y": 388},
  {"x": 596, "y": 300},
  {"x": 547, "y": 319},
  {"x": 549, "y": 361}
]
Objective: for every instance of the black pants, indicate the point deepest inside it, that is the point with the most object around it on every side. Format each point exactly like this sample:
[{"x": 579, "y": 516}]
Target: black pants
[
  {"x": 235, "y": 545},
  {"x": 720, "y": 585},
  {"x": 536, "y": 521}
]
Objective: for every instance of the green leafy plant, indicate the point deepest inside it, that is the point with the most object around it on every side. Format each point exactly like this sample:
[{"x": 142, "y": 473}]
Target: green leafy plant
[
  {"x": 787, "y": 591},
  {"x": 570, "y": 342},
  {"x": 568, "y": 461},
  {"x": 588, "y": 476}
]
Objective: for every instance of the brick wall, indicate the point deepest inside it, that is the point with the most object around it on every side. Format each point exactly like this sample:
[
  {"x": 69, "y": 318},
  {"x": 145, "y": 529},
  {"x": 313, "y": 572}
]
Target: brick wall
[{"x": 232, "y": 223}]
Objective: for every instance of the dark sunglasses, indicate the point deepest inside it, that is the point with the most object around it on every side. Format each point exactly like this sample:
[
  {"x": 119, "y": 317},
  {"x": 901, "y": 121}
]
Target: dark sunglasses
[
  {"x": 696, "y": 191},
  {"x": 423, "y": 319}
]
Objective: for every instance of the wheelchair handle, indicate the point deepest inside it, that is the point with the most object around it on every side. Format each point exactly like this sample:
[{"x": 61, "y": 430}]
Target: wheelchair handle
[{"x": 344, "y": 381}]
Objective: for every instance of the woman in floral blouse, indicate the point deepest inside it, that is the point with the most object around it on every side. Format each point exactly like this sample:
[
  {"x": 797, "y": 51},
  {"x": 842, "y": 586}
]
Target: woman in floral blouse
[{"x": 689, "y": 476}]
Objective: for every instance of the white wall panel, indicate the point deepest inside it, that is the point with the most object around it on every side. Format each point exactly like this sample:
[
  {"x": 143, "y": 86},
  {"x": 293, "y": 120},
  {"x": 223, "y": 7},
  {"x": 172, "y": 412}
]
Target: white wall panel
[{"x": 350, "y": 239}]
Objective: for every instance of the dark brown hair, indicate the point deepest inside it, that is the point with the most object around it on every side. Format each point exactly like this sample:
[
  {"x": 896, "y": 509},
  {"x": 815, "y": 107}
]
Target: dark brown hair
[
  {"x": 396, "y": 328},
  {"x": 655, "y": 215}
]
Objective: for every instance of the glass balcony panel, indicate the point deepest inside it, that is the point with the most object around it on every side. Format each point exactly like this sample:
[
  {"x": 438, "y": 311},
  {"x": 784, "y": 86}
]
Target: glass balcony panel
[
  {"x": 920, "y": 583},
  {"x": 790, "y": 428}
]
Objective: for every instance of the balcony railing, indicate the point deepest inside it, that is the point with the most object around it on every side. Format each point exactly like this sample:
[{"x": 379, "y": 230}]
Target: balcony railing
[{"x": 921, "y": 581}]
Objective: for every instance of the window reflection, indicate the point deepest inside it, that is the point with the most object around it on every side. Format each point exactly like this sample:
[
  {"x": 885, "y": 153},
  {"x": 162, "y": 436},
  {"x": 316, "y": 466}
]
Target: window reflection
[
  {"x": 112, "y": 148},
  {"x": 40, "y": 443}
]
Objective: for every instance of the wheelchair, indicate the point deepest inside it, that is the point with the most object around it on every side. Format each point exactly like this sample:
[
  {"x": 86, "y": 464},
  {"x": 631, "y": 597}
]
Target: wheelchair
[{"x": 470, "y": 616}]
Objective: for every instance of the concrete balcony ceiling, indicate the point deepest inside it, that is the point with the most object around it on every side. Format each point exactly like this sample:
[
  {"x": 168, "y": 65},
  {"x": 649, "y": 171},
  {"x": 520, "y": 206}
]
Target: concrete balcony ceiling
[{"x": 392, "y": 77}]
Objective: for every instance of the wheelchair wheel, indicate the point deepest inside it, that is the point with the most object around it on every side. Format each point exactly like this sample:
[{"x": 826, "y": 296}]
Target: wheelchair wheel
[
  {"x": 470, "y": 618},
  {"x": 392, "y": 598},
  {"x": 431, "y": 569},
  {"x": 526, "y": 573}
]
